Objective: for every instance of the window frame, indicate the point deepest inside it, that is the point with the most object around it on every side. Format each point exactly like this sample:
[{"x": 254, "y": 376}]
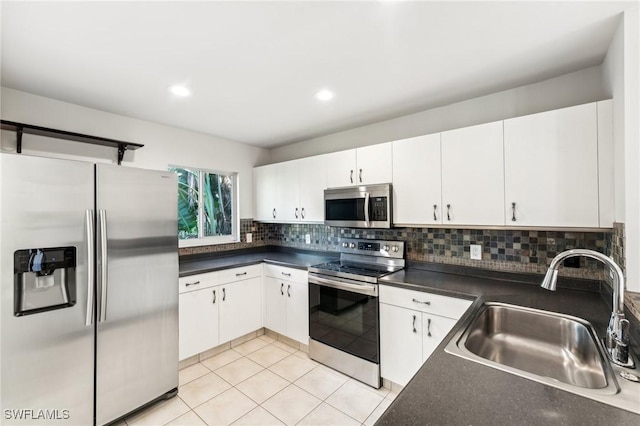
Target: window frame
[{"x": 235, "y": 209}]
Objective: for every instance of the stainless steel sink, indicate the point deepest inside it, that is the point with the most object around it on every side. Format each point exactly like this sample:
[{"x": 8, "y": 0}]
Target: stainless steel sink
[{"x": 555, "y": 349}]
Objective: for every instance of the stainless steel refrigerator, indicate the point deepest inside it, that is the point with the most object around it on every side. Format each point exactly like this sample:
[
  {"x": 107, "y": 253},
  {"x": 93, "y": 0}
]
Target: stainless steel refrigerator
[{"x": 89, "y": 282}]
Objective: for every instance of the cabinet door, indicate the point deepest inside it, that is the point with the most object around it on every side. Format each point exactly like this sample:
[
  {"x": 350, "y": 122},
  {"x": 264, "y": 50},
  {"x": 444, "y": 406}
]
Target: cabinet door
[
  {"x": 265, "y": 180},
  {"x": 374, "y": 164},
  {"x": 198, "y": 323},
  {"x": 473, "y": 175},
  {"x": 297, "y": 311},
  {"x": 240, "y": 308},
  {"x": 341, "y": 168},
  {"x": 417, "y": 195},
  {"x": 400, "y": 343},
  {"x": 313, "y": 182},
  {"x": 288, "y": 200},
  {"x": 434, "y": 330},
  {"x": 551, "y": 168},
  {"x": 275, "y": 315}
]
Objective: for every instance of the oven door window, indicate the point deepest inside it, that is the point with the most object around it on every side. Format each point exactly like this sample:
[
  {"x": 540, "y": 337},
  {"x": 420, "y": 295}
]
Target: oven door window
[
  {"x": 345, "y": 320},
  {"x": 344, "y": 209}
]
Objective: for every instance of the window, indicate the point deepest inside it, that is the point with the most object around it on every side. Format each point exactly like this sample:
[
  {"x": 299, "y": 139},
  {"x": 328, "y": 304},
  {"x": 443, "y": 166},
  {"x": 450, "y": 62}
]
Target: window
[{"x": 207, "y": 206}]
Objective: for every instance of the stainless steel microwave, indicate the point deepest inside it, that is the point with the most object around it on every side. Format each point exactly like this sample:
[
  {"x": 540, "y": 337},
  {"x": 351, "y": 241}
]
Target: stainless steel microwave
[{"x": 359, "y": 206}]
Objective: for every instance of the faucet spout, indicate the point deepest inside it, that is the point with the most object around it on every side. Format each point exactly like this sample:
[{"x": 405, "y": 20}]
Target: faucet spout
[{"x": 617, "y": 340}]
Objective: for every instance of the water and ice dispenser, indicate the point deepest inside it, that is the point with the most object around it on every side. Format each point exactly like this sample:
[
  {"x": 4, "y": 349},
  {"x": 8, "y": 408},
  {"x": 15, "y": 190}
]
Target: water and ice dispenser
[{"x": 44, "y": 279}]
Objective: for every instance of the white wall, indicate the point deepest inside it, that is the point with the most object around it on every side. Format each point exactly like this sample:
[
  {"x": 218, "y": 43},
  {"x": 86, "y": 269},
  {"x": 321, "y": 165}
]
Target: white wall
[
  {"x": 164, "y": 145},
  {"x": 621, "y": 75},
  {"x": 576, "y": 88}
]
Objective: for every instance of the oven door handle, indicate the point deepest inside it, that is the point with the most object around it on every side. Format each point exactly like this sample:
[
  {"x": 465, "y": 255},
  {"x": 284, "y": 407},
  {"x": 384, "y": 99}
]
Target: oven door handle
[{"x": 368, "y": 289}]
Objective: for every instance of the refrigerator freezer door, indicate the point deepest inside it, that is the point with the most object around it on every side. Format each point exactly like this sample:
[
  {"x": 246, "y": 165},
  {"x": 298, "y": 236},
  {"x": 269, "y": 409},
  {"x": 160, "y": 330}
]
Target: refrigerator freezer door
[
  {"x": 47, "y": 357},
  {"x": 137, "y": 291}
]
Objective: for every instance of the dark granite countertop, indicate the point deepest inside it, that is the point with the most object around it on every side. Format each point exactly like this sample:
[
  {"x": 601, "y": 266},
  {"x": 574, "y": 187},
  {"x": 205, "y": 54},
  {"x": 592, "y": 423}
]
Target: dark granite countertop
[
  {"x": 454, "y": 391},
  {"x": 198, "y": 264}
]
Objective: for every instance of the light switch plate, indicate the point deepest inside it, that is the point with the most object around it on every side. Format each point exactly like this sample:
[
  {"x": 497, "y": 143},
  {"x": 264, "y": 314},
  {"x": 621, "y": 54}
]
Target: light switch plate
[
  {"x": 476, "y": 251},
  {"x": 307, "y": 238},
  {"x": 249, "y": 237}
]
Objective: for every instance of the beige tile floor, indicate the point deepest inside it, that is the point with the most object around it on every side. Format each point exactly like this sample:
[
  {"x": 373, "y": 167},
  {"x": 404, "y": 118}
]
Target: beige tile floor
[{"x": 266, "y": 382}]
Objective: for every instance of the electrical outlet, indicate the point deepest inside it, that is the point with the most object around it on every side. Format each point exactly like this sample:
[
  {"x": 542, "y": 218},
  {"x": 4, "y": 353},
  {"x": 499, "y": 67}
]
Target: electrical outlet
[
  {"x": 249, "y": 237},
  {"x": 307, "y": 238},
  {"x": 476, "y": 251}
]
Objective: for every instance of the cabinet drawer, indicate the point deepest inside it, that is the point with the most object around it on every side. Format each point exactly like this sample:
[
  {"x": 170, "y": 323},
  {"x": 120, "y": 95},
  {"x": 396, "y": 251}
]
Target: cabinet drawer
[
  {"x": 197, "y": 282},
  {"x": 449, "y": 307},
  {"x": 238, "y": 274},
  {"x": 283, "y": 273}
]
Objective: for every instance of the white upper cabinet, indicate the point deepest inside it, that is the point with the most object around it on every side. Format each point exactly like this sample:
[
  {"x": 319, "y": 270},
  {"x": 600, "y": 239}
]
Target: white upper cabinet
[
  {"x": 313, "y": 182},
  {"x": 417, "y": 194},
  {"x": 473, "y": 175},
  {"x": 265, "y": 180},
  {"x": 341, "y": 168},
  {"x": 605, "y": 163},
  {"x": 361, "y": 166},
  {"x": 292, "y": 191},
  {"x": 551, "y": 168},
  {"x": 288, "y": 198}
]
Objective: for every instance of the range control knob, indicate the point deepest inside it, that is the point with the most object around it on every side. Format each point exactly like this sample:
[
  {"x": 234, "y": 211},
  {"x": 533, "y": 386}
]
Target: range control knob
[
  {"x": 345, "y": 245},
  {"x": 352, "y": 245},
  {"x": 385, "y": 248},
  {"x": 395, "y": 249}
]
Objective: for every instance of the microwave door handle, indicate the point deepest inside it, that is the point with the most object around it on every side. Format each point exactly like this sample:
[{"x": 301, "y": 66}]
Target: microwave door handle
[{"x": 366, "y": 209}]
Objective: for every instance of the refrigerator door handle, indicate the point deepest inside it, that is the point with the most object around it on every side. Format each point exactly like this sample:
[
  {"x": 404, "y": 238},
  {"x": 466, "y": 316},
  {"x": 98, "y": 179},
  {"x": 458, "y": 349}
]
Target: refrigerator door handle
[
  {"x": 89, "y": 227},
  {"x": 102, "y": 222}
]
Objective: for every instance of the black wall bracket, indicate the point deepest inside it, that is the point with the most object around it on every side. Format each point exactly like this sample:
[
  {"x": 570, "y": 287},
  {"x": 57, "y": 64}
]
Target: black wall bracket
[{"x": 21, "y": 128}]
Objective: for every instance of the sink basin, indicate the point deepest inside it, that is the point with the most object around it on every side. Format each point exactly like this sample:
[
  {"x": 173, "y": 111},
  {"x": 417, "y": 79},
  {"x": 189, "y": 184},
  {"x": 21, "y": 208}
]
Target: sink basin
[
  {"x": 547, "y": 347},
  {"x": 546, "y": 344}
]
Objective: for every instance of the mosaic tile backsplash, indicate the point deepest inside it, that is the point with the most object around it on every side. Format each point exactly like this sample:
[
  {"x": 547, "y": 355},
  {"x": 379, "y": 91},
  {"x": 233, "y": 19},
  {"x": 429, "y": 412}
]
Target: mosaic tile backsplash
[{"x": 504, "y": 250}]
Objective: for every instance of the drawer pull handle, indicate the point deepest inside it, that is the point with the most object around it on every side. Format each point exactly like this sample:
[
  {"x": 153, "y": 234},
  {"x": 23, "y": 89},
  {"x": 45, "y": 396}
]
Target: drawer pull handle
[
  {"x": 448, "y": 211},
  {"x": 420, "y": 301},
  {"x": 351, "y": 176},
  {"x": 414, "y": 324},
  {"x": 513, "y": 212},
  {"x": 296, "y": 213},
  {"x": 302, "y": 213},
  {"x": 194, "y": 283},
  {"x": 281, "y": 289},
  {"x": 360, "y": 176},
  {"x": 239, "y": 275},
  {"x": 289, "y": 290},
  {"x": 224, "y": 294},
  {"x": 214, "y": 297},
  {"x": 274, "y": 213},
  {"x": 435, "y": 210},
  {"x": 286, "y": 274},
  {"x": 429, "y": 327}
]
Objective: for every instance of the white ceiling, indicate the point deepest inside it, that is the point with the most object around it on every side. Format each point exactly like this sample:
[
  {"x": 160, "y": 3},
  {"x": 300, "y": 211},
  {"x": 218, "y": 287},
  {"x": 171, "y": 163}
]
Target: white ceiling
[{"x": 253, "y": 67}]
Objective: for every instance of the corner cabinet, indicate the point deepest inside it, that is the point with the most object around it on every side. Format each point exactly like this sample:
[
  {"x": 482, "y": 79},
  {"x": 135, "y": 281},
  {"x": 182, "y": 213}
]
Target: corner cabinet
[
  {"x": 361, "y": 166},
  {"x": 412, "y": 325},
  {"x": 286, "y": 292},
  {"x": 291, "y": 192},
  {"x": 552, "y": 167}
]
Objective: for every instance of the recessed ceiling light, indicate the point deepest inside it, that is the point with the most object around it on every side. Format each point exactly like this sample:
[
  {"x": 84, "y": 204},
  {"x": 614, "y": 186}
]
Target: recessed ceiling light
[
  {"x": 179, "y": 90},
  {"x": 324, "y": 95}
]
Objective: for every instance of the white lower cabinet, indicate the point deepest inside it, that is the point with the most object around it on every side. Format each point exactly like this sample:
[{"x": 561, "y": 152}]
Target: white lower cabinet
[
  {"x": 217, "y": 307},
  {"x": 286, "y": 292},
  {"x": 412, "y": 325}
]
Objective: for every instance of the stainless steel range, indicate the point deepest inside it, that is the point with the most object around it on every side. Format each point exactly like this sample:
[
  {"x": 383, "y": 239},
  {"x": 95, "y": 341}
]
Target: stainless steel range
[{"x": 343, "y": 307}]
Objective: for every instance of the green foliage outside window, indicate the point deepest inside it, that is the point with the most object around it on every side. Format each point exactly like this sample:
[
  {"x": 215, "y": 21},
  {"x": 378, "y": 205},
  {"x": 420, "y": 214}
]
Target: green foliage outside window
[{"x": 205, "y": 203}]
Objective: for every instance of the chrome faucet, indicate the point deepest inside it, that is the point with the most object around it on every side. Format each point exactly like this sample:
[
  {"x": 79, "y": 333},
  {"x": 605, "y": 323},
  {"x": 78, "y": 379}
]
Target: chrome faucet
[{"x": 617, "y": 338}]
